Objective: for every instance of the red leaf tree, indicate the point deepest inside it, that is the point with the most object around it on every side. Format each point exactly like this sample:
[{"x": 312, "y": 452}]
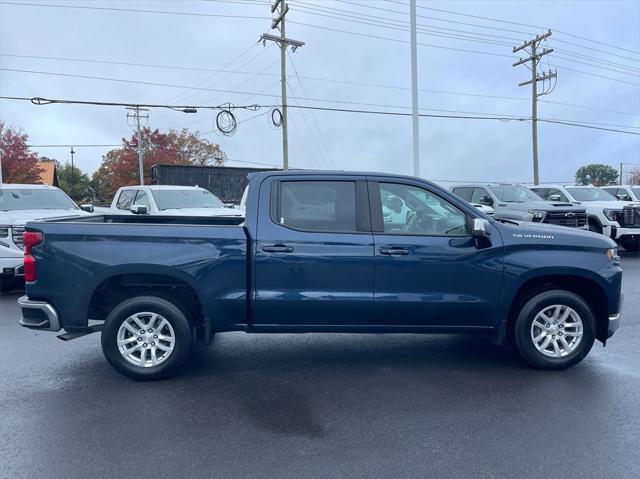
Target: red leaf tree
[
  {"x": 19, "y": 164},
  {"x": 120, "y": 166}
]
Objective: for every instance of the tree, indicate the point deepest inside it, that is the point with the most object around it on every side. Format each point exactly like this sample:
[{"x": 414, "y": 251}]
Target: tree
[
  {"x": 120, "y": 166},
  {"x": 19, "y": 164},
  {"x": 74, "y": 182},
  {"x": 634, "y": 179},
  {"x": 596, "y": 175}
]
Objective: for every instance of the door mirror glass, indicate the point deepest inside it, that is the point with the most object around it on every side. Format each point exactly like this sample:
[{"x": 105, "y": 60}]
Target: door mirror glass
[
  {"x": 555, "y": 198},
  {"x": 139, "y": 209},
  {"x": 86, "y": 207}
]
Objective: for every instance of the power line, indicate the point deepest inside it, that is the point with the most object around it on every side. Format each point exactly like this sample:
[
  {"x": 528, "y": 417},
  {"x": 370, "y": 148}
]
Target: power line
[
  {"x": 519, "y": 24},
  {"x": 313, "y": 78},
  {"x": 557, "y": 65},
  {"x": 74, "y": 145},
  {"x": 43, "y": 101},
  {"x": 134, "y": 10}
]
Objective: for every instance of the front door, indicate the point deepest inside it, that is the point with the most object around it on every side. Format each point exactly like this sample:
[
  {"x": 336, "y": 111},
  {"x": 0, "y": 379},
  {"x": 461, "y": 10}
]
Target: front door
[
  {"x": 429, "y": 270},
  {"x": 314, "y": 254}
]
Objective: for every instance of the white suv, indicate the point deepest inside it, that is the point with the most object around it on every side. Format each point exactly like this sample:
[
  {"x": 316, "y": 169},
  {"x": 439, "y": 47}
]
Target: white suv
[
  {"x": 619, "y": 220},
  {"x": 19, "y": 204}
]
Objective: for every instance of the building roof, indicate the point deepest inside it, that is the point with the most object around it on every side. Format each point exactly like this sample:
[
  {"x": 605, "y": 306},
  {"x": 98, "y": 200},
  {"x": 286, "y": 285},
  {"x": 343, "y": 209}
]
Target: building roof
[{"x": 49, "y": 174}]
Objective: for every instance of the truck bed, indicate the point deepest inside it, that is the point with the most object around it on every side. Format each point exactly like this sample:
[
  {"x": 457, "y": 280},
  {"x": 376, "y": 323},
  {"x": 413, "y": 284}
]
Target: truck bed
[{"x": 120, "y": 254}]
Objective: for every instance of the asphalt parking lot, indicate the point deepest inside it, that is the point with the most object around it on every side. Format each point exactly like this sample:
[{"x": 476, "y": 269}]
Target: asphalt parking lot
[{"x": 321, "y": 406}]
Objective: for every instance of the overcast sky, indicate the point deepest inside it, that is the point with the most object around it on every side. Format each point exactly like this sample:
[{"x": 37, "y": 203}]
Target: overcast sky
[{"x": 451, "y": 149}]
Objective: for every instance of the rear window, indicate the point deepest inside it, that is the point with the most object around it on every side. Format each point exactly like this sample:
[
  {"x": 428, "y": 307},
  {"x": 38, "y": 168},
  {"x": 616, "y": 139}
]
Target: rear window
[{"x": 319, "y": 206}]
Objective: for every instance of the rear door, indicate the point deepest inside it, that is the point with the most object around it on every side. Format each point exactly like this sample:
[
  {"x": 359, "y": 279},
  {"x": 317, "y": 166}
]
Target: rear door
[
  {"x": 313, "y": 253},
  {"x": 429, "y": 272}
]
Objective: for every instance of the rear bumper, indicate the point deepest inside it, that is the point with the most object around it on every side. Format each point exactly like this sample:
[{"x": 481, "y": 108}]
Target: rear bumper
[
  {"x": 38, "y": 315},
  {"x": 614, "y": 319}
]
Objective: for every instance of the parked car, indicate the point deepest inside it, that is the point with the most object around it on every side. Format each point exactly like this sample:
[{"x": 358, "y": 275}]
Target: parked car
[
  {"x": 619, "y": 220},
  {"x": 515, "y": 202},
  {"x": 624, "y": 192},
  {"x": 315, "y": 254},
  {"x": 169, "y": 200},
  {"x": 19, "y": 204}
]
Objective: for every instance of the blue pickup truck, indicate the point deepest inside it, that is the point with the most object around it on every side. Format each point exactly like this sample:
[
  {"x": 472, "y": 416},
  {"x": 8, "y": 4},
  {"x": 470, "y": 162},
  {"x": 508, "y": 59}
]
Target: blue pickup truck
[{"x": 321, "y": 252}]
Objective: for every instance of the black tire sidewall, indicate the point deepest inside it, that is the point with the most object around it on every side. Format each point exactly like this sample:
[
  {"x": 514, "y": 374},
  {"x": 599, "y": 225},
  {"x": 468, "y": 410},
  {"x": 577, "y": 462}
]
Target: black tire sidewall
[
  {"x": 522, "y": 332},
  {"x": 171, "y": 312}
]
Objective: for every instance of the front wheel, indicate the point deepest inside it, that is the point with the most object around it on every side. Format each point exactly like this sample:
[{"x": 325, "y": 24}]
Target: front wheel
[
  {"x": 554, "y": 330},
  {"x": 147, "y": 337},
  {"x": 631, "y": 245}
]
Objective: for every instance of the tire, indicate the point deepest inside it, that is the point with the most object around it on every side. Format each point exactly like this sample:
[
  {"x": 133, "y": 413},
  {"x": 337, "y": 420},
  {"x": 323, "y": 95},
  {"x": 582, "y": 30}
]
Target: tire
[
  {"x": 595, "y": 227},
  {"x": 167, "y": 340},
  {"x": 5, "y": 285},
  {"x": 577, "y": 330},
  {"x": 631, "y": 246}
]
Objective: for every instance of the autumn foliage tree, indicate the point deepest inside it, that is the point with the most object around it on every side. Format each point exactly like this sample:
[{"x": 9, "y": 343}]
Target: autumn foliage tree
[
  {"x": 19, "y": 164},
  {"x": 120, "y": 166},
  {"x": 597, "y": 175}
]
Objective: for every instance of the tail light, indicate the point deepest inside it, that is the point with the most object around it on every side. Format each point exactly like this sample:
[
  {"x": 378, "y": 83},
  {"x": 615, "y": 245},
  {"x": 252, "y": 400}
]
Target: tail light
[{"x": 31, "y": 239}]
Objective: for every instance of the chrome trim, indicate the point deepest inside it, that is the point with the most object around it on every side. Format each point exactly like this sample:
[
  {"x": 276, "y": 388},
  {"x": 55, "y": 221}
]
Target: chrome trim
[
  {"x": 614, "y": 317},
  {"x": 49, "y": 311}
]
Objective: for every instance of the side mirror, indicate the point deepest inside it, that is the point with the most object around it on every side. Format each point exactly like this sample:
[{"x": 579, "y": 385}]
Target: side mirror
[
  {"x": 481, "y": 228},
  {"x": 87, "y": 207},
  {"x": 623, "y": 197},
  {"x": 486, "y": 200},
  {"x": 139, "y": 209},
  {"x": 555, "y": 198}
]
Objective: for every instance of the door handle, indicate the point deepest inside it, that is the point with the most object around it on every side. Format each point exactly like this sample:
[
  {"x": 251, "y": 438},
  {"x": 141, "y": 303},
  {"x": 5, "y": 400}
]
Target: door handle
[
  {"x": 394, "y": 251},
  {"x": 277, "y": 248}
]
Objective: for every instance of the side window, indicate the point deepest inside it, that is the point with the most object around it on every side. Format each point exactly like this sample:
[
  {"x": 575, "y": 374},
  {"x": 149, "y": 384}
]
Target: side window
[
  {"x": 481, "y": 196},
  {"x": 557, "y": 195},
  {"x": 320, "y": 206},
  {"x": 463, "y": 192},
  {"x": 125, "y": 199},
  {"x": 142, "y": 199},
  {"x": 408, "y": 209}
]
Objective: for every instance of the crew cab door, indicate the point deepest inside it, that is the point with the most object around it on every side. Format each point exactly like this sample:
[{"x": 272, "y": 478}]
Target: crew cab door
[
  {"x": 429, "y": 271},
  {"x": 313, "y": 254}
]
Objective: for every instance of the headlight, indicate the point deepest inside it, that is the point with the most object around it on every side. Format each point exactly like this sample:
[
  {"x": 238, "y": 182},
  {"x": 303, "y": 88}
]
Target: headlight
[
  {"x": 4, "y": 231},
  {"x": 610, "y": 214},
  {"x": 612, "y": 254},
  {"x": 538, "y": 215}
]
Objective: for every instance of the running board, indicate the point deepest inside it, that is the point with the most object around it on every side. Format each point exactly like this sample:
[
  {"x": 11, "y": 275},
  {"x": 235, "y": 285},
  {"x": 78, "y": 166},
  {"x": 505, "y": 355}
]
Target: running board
[{"x": 78, "y": 334}]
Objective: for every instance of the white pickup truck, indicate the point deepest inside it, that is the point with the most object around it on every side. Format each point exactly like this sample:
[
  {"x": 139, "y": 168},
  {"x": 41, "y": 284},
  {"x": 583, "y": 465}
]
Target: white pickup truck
[
  {"x": 168, "y": 200},
  {"x": 619, "y": 220},
  {"x": 22, "y": 203}
]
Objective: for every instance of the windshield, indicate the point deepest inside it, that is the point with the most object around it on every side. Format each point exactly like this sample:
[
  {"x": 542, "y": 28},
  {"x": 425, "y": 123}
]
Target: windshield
[
  {"x": 636, "y": 191},
  {"x": 34, "y": 199},
  {"x": 514, "y": 194},
  {"x": 178, "y": 199},
  {"x": 591, "y": 194}
]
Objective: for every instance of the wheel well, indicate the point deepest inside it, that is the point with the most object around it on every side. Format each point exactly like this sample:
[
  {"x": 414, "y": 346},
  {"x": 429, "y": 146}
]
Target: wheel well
[
  {"x": 587, "y": 289},
  {"x": 116, "y": 289}
]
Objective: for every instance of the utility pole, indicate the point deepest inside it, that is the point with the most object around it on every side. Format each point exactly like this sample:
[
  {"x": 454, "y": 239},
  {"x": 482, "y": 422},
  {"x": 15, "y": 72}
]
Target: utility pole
[
  {"x": 0, "y": 167},
  {"x": 414, "y": 91},
  {"x": 73, "y": 183},
  {"x": 621, "y": 173},
  {"x": 534, "y": 58},
  {"x": 283, "y": 42},
  {"x": 136, "y": 116}
]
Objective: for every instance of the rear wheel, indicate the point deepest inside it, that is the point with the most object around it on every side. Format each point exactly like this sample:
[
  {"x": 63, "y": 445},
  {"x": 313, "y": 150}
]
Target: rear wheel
[
  {"x": 147, "y": 337},
  {"x": 554, "y": 330}
]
